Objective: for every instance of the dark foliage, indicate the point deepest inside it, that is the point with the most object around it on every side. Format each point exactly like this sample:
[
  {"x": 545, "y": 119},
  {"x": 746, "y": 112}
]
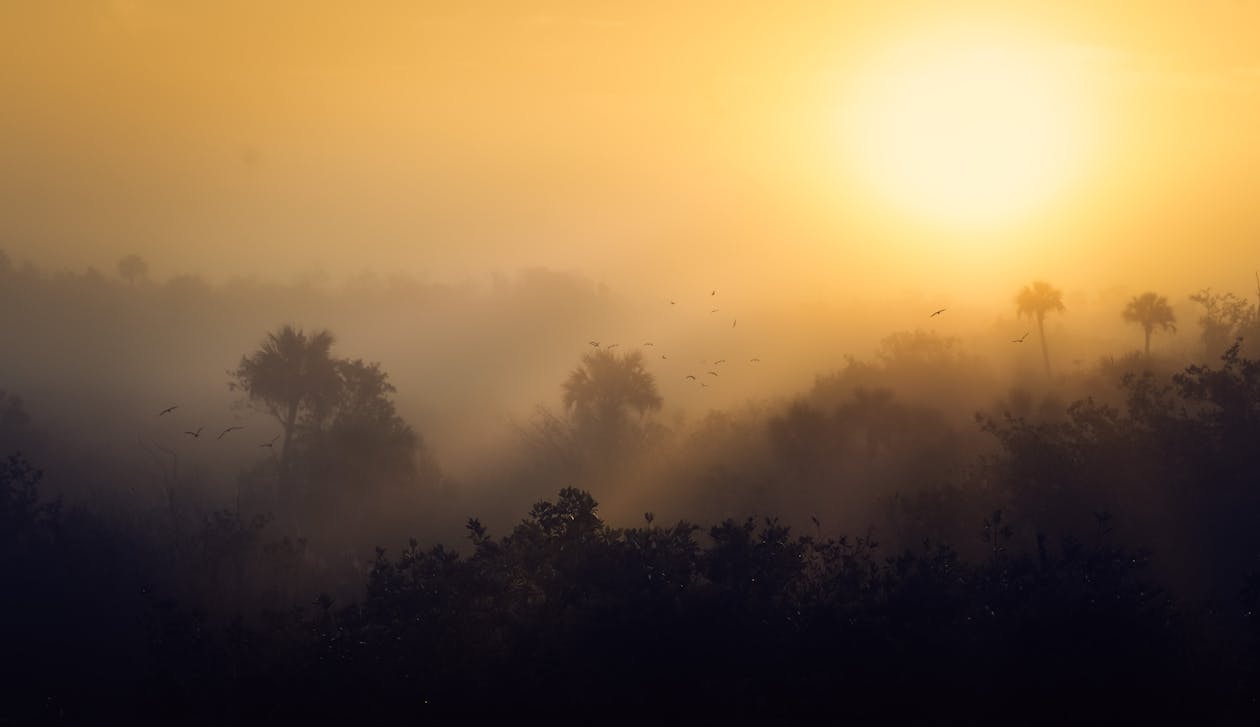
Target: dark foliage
[{"x": 1101, "y": 563}]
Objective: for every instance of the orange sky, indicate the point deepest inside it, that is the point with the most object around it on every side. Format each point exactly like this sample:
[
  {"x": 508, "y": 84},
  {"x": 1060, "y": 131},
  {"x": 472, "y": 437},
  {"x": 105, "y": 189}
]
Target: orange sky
[{"x": 651, "y": 145}]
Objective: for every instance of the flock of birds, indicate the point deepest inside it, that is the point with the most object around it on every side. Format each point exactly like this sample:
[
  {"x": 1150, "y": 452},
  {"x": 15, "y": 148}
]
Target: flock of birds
[
  {"x": 754, "y": 360},
  {"x": 664, "y": 357},
  {"x": 196, "y": 433}
]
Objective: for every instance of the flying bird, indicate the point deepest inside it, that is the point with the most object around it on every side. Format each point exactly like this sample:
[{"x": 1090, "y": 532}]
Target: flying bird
[
  {"x": 937, "y": 313},
  {"x": 715, "y": 310},
  {"x": 648, "y": 343},
  {"x": 689, "y": 376},
  {"x": 713, "y": 292},
  {"x": 594, "y": 344},
  {"x": 703, "y": 385},
  {"x": 1021, "y": 338},
  {"x": 195, "y": 434},
  {"x": 712, "y": 373},
  {"x": 673, "y": 302},
  {"x": 229, "y": 429},
  {"x": 719, "y": 361},
  {"x": 754, "y": 360},
  {"x": 664, "y": 357},
  {"x": 168, "y": 410},
  {"x": 270, "y": 444},
  {"x": 611, "y": 347},
  {"x": 733, "y": 323}
]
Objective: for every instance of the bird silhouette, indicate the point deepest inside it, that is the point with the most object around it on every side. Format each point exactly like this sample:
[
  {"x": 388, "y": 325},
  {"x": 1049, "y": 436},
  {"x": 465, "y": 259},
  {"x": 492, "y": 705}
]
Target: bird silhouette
[
  {"x": 611, "y": 346},
  {"x": 270, "y": 444},
  {"x": 648, "y": 343},
  {"x": 712, "y": 373},
  {"x": 195, "y": 434},
  {"x": 713, "y": 292},
  {"x": 754, "y": 360},
  {"x": 168, "y": 410},
  {"x": 715, "y": 310},
  {"x": 673, "y": 302},
  {"x": 689, "y": 376},
  {"x": 937, "y": 313},
  {"x": 719, "y": 361},
  {"x": 703, "y": 385},
  {"x": 664, "y": 357},
  {"x": 733, "y": 323},
  {"x": 594, "y": 344},
  {"x": 225, "y": 431},
  {"x": 1021, "y": 338}
]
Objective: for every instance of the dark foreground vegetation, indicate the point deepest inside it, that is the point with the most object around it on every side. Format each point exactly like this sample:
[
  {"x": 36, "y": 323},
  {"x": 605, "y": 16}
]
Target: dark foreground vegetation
[
  {"x": 1085, "y": 549},
  {"x": 1053, "y": 612}
]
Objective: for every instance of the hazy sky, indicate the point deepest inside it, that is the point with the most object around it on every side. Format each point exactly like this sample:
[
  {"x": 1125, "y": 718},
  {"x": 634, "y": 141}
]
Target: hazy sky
[{"x": 658, "y": 145}]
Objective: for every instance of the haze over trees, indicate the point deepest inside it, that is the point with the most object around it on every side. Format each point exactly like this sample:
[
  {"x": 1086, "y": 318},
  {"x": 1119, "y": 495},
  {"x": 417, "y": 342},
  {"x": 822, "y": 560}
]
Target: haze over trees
[
  {"x": 410, "y": 363},
  {"x": 933, "y": 510},
  {"x": 1035, "y": 301},
  {"x": 1150, "y": 311},
  {"x": 1225, "y": 318},
  {"x": 294, "y": 378},
  {"x": 132, "y": 268},
  {"x": 346, "y": 456},
  {"x": 608, "y": 396}
]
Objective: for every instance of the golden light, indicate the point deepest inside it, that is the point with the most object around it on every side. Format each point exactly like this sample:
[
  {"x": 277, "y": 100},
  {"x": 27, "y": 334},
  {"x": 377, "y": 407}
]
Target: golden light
[{"x": 967, "y": 136}]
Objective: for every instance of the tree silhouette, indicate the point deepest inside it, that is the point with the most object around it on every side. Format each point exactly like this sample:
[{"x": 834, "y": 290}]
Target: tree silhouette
[
  {"x": 1227, "y": 317},
  {"x": 1150, "y": 311},
  {"x": 1035, "y": 301},
  {"x": 360, "y": 437},
  {"x": 290, "y": 375},
  {"x": 132, "y": 267},
  {"x": 602, "y": 392}
]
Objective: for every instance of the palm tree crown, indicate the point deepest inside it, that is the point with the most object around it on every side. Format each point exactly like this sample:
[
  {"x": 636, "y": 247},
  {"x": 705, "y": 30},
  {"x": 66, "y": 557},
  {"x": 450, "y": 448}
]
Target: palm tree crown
[
  {"x": 1151, "y": 311},
  {"x": 1035, "y": 301},
  {"x": 605, "y": 386},
  {"x": 291, "y": 374}
]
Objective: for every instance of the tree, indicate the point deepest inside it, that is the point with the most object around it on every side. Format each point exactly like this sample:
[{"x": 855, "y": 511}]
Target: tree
[
  {"x": 1226, "y": 318},
  {"x": 132, "y": 267},
  {"x": 342, "y": 433},
  {"x": 1150, "y": 311},
  {"x": 1035, "y": 301},
  {"x": 361, "y": 436},
  {"x": 291, "y": 376},
  {"x": 602, "y": 392}
]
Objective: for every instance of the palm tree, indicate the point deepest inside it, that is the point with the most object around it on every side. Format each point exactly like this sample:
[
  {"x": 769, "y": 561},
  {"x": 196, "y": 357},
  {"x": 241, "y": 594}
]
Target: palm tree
[
  {"x": 290, "y": 375},
  {"x": 1035, "y": 301},
  {"x": 1150, "y": 311},
  {"x": 605, "y": 388}
]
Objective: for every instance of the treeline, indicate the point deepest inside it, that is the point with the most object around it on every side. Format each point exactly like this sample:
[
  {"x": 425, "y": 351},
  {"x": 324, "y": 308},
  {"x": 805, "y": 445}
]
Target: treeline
[
  {"x": 1086, "y": 537},
  {"x": 1105, "y": 559}
]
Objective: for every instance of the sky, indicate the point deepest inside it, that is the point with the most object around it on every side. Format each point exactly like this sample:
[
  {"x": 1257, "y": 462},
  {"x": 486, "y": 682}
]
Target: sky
[{"x": 788, "y": 150}]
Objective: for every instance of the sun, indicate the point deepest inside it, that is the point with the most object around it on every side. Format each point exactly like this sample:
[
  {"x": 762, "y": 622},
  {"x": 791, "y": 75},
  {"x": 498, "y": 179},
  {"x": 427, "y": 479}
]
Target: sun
[{"x": 966, "y": 135}]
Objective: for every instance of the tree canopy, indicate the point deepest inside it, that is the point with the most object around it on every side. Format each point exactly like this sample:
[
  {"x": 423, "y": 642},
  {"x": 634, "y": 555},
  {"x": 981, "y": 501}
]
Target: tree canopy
[
  {"x": 1035, "y": 301},
  {"x": 602, "y": 393},
  {"x": 1151, "y": 311}
]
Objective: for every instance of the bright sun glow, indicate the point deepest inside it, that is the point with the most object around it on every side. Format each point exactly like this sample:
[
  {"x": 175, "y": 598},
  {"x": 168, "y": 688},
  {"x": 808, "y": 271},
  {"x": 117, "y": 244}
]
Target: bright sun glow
[{"x": 967, "y": 136}]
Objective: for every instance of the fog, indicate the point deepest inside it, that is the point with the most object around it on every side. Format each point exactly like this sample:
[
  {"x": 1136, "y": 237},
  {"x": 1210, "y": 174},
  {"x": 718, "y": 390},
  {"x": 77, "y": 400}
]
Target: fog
[
  {"x": 479, "y": 368},
  {"x": 568, "y": 353},
  {"x": 623, "y": 143}
]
